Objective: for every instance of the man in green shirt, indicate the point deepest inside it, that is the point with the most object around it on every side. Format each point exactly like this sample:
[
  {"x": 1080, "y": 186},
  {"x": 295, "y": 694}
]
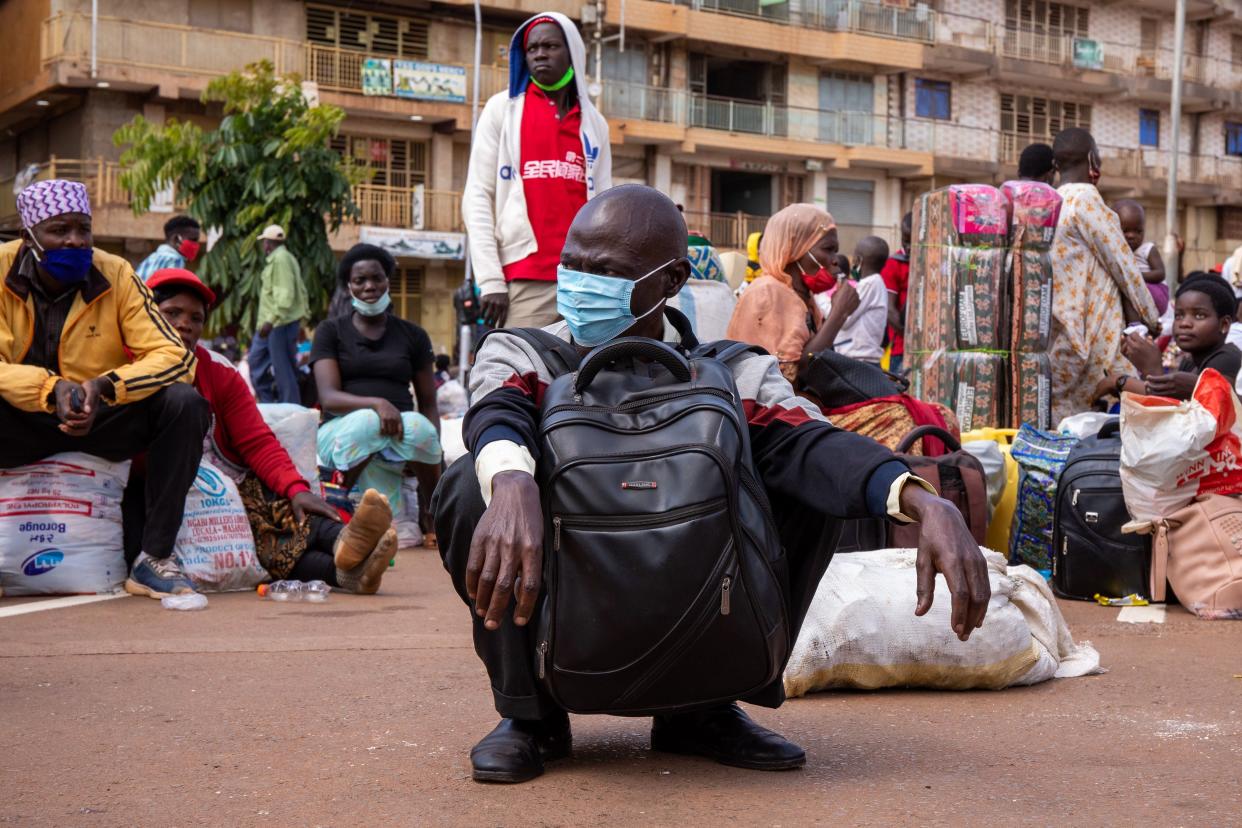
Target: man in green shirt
[{"x": 282, "y": 307}]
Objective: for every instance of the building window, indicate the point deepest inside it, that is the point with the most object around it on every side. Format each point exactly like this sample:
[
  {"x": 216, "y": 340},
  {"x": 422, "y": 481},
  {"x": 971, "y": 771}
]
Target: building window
[
  {"x": 1040, "y": 119},
  {"x": 1229, "y": 223},
  {"x": 373, "y": 34},
  {"x": 1233, "y": 138},
  {"x": 1235, "y": 49},
  {"x": 392, "y": 161},
  {"x": 1039, "y": 17},
  {"x": 406, "y": 290},
  {"x": 1149, "y": 128},
  {"x": 932, "y": 99}
]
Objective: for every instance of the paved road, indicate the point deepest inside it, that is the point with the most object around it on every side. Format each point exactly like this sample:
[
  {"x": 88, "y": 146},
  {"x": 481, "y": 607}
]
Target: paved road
[{"x": 364, "y": 709}]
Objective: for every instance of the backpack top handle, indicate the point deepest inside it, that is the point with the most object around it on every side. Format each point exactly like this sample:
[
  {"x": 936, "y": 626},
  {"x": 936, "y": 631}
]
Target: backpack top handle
[
  {"x": 631, "y": 346},
  {"x": 918, "y": 433}
]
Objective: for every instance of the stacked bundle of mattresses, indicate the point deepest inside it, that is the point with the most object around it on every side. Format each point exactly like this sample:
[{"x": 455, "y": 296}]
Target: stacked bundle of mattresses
[{"x": 980, "y": 297}]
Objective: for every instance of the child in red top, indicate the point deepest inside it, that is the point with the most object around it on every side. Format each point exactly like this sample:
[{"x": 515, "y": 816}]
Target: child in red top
[{"x": 896, "y": 276}]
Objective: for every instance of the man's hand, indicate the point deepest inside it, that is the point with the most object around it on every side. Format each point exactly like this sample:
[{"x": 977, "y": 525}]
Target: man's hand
[
  {"x": 265, "y": 330},
  {"x": 1179, "y": 384},
  {"x": 506, "y": 554},
  {"x": 391, "y": 424},
  {"x": 306, "y": 504},
  {"x": 495, "y": 308},
  {"x": 78, "y": 405},
  {"x": 946, "y": 546},
  {"x": 1142, "y": 353}
]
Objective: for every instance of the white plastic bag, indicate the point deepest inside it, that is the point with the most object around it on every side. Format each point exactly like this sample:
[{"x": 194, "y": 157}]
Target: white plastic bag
[
  {"x": 215, "y": 546},
  {"x": 60, "y": 526},
  {"x": 861, "y": 632},
  {"x": 709, "y": 307},
  {"x": 1173, "y": 451},
  {"x": 297, "y": 429},
  {"x": 451, "y": 399},
  {"x": 1085, "y": 424}
]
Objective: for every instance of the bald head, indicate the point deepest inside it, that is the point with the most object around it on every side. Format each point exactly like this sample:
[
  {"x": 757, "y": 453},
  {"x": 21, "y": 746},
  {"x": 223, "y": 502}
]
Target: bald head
[
  {"x": 1128, "y": 208},
  {"x": 630, "y": 224},
  {"x": 630, "y": 232},
  {"x": 871, "y": 254}
]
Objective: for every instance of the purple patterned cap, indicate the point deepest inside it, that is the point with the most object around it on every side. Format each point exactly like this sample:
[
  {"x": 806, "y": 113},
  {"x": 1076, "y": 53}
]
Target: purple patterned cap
[{"x": 43, "y": 200}]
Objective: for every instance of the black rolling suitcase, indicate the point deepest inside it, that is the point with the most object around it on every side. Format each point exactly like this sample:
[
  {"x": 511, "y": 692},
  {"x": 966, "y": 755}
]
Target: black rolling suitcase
[{"x": 1090, "y": 555}]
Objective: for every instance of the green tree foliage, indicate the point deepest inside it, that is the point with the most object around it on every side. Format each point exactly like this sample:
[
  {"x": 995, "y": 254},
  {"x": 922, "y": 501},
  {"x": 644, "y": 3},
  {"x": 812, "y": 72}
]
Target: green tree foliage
[{"x": 268, "y": 162}]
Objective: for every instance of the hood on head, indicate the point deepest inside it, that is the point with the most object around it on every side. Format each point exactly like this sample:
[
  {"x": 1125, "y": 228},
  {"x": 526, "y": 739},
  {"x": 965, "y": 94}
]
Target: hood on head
[{"x": 519, "y": 72}]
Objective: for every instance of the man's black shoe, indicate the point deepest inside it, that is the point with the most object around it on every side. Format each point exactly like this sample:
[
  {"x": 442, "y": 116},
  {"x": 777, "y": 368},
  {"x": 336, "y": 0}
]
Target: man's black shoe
[
  {"x": 727, "y": 735},
  {"x": 516, "y": 750}
]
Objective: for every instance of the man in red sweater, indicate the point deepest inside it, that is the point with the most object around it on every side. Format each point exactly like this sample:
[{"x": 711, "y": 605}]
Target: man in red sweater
[{"x": 297, "y": 535}]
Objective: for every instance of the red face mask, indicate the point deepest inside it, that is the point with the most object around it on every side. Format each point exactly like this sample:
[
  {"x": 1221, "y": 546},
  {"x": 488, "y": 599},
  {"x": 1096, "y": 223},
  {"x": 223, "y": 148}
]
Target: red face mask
[
  {"x": 819, "y": 281},
  {"x": 189, "y": 248}
]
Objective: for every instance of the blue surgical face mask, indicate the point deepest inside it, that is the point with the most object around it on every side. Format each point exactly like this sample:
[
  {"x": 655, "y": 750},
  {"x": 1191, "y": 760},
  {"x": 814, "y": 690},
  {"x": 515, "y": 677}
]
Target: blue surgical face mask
[
  {"x": 371, "y": 308},
  {"x": 68, "y": 265},
  {"x": 597, "y": 308}
]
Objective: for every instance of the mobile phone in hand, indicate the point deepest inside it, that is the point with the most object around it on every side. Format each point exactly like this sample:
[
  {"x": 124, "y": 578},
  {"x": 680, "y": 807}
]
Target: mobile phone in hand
[{"x": 75, "y": 399}]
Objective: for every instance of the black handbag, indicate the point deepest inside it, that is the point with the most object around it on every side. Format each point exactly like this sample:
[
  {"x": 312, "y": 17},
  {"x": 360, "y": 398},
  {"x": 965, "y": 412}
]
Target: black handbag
[{"x": 839, "y": 380}]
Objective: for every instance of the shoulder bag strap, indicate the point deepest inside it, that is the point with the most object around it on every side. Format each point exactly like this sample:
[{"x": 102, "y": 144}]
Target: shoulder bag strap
[
  {"x": 1160, "y": 561},
  {"x": 558, "y": 355}
]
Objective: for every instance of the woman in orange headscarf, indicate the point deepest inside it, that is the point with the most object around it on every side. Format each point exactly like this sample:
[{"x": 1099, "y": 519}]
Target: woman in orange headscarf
[{"x": 798, "y": 257}]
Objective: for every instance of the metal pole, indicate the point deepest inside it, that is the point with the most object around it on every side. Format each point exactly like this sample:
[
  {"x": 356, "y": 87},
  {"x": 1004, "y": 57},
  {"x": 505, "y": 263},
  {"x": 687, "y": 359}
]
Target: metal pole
[
  {"x": 466, "y": 333},
  {"x": 1170, "y": 204},
  {"x": 94, "y": 38}
]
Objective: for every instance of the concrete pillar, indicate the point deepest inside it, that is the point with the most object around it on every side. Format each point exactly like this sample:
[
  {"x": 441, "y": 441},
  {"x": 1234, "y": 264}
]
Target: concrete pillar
[
  {"x": 819, "y": 189},
  {"x": 441, "y": 173},
  {"x": 886, "y": 212},
  {"x": 662, "y": 172}
]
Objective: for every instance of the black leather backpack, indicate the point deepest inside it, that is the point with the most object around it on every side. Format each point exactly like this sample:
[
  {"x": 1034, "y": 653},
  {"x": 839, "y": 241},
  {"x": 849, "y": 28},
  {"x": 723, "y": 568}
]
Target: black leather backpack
[
  {"x": 1090, "y": 555},
  {"x": 665, "y": 577}
]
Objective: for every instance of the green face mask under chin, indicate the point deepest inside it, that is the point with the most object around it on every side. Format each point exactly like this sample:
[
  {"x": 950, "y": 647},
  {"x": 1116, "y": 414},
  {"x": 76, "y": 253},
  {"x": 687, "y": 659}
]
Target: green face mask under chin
[{"x": 559, "y": 85}]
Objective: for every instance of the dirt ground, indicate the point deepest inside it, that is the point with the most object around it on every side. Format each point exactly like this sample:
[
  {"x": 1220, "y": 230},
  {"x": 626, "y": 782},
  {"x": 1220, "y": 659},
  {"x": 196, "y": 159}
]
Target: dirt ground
[{"x": 363, "y": 710}]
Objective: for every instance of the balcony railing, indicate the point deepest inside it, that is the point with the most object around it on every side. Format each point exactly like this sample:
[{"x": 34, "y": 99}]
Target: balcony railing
[
  {"x": 378, "y": 205},
  {"x": 401, "y": 207},
  {"x": 150, "y": 45},
  {"x": 872, "y": 18},
  {"x": 729, "y": 231},
  {"x": 340, "y": 70}
]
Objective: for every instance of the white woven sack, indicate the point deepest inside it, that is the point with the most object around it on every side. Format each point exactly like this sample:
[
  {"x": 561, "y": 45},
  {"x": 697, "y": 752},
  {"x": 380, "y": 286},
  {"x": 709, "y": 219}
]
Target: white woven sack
[
  {"x": 861, "y": 632},
  {"x": 60, "y": 526},
  {"x": 297, "y": 429}
]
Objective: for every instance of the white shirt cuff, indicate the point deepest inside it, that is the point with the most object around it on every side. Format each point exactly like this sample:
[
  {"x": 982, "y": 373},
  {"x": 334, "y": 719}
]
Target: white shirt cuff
[
  {"x": 894, "y": 495},
  {"x": 502, "y": 456}
]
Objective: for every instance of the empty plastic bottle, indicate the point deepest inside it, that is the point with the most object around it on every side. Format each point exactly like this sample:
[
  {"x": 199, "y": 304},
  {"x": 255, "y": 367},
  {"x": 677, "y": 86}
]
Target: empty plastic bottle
[
  {"x": 313, "y": 591},
  {"x": 188, "y": 601}
]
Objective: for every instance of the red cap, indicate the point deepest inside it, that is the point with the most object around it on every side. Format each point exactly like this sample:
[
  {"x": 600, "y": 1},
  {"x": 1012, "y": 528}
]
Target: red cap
[
  {"x": 1220, "y": 268},
  {"x": 181, "y": 276},
  {"x": 543, "y": 18}
]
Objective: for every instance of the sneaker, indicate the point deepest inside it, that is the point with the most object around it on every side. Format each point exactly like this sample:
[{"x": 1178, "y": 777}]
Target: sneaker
[{"x": 157, "y": 577}]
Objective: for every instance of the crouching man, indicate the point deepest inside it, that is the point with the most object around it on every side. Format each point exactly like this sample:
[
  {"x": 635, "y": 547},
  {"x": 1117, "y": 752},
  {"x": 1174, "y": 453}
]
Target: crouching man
[
  {"x": 88, "y": 364},
  {"x": 490, "y": 519}
]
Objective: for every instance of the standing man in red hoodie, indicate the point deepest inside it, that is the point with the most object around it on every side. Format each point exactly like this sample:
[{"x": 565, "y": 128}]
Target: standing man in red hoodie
[
  {"x": 539, "y": 152},
  {"x": 896, "y": 276}
]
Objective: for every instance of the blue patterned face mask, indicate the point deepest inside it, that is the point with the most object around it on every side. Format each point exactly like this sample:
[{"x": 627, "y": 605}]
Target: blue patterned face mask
[{"x": 597, "y": 308}]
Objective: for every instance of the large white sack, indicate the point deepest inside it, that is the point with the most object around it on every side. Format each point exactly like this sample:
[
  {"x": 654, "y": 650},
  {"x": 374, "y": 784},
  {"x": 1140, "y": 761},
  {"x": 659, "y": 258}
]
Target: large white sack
[
  {"x": 451, "y": 439},
  {"x": 709, "y": 307},
  {"x": 297, "y": 429},
  {"x": 215, "y": 546},
  {"x": 861, "y": 632},
  {"x": 60, "y": 526}
]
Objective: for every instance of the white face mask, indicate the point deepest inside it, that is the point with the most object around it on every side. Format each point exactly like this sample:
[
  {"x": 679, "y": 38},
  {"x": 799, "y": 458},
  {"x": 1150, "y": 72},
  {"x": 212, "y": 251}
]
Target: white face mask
[{"x": 371, "y": 308}]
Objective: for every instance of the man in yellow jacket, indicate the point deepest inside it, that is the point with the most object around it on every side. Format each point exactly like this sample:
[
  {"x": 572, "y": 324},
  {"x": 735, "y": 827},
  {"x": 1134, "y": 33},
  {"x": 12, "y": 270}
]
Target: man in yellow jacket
[{"x": 88, "y": 364}]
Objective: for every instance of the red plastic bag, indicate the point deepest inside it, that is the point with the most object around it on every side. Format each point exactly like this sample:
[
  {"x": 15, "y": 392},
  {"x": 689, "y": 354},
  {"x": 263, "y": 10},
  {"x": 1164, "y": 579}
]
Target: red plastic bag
[{"x": 1173, "y": 451}]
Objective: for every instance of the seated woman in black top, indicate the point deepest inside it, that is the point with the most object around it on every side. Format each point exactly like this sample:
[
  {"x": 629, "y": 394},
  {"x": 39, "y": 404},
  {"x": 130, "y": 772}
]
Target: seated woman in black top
[
  {"x": 1202, "y": 315},
  {"x": 365, "y": 362}
]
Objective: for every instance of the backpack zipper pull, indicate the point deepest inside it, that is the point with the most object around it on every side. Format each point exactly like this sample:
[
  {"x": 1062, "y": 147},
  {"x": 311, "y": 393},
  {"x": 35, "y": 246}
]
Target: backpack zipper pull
[
  {"x": 543, "y": 659},
  {"x": 726, "y": 586},
  {"x": 1074, "y": 501},
  {"x": 556, "y": 534}
]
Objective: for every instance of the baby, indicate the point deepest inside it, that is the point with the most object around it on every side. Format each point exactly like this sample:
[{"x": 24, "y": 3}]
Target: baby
[{"x": 1133, "y": 224}]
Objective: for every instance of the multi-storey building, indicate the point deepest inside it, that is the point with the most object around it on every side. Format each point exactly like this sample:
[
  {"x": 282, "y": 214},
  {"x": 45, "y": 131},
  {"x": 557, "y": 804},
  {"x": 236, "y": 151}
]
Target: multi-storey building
[{"x": 733, "y": 107}]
